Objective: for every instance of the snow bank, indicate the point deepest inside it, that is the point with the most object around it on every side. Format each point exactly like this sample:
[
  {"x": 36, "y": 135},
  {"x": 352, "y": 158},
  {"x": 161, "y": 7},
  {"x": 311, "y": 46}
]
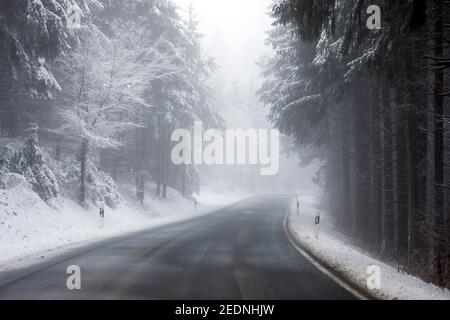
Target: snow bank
[
  {"x": 351, "y": 262},
  {"x": 32, "y": 229}
]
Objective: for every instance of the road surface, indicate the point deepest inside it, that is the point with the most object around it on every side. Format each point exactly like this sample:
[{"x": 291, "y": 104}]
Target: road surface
[{"x": 239, "y": 252}]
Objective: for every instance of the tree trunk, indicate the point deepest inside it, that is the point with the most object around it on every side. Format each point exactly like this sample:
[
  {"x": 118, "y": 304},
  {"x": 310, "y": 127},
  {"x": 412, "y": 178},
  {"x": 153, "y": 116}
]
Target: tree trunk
[
  {"x": 402, "y": 165},
  {"x": 183, "y": 180},
  {"x": 83, "y": 167},
  {"x": 166, "y": 158},
  {"x": 388, "y": 173},
  {"x": 439, "y": 171},
  {"x": 58, "y": 149},
  {"x": 346, "y": 175},
  {"x": 375, "y": 168},
  {"x": 160, "y": 155}
]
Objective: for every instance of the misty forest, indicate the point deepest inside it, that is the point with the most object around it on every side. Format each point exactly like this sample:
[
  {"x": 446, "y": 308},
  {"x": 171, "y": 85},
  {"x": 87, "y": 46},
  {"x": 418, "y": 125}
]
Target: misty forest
[
  {"x": 87, "y": 112},
  {"x": 373, "y": 105}
]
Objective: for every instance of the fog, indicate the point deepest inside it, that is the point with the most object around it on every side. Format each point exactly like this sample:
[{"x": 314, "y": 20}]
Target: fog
[{"x": 234, "y": 35}]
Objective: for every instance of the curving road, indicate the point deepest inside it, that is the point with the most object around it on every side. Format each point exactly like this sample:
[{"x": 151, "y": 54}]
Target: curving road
[{"x": 239, "y": 252}]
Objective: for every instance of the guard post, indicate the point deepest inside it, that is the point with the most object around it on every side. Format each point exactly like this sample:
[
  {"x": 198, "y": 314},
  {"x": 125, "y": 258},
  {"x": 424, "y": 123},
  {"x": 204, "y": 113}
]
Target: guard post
[
  {"x": 317, "y": 225},
  {"x": 102, "y": 215}
]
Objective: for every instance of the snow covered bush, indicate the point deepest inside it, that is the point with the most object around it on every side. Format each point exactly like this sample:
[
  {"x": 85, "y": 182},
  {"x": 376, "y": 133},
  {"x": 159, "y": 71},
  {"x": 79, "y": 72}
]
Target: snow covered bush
[
  {"x": 13, "y": 180},
  {"x": 3, "y": 174},
  {"x": 5, "y": 156},
  {"x": 30, "y": 162},
  {"x": 100, "y": 186}
]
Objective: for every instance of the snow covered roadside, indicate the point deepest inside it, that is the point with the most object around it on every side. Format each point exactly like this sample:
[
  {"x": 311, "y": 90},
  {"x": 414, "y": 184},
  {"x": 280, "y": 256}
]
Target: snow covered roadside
[
  {"x": 352, "y": 263},
  {"x": 32, "y": 230}
]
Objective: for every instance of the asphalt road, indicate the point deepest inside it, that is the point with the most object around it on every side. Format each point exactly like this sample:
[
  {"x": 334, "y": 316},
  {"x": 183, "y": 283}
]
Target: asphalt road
[{"x": 239, "y": 252}]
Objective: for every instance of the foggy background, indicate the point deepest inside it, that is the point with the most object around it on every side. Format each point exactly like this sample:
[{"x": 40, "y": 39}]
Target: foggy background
[{"x": 234, "y": 35}]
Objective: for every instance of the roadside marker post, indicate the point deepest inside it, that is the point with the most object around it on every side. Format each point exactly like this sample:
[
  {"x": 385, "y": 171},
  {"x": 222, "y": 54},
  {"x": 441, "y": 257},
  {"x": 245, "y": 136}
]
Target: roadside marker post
[
  {"x": 102, "y": 215},
  {"x": 317, "y": 225},
  {"x": 196, "y": 204}
]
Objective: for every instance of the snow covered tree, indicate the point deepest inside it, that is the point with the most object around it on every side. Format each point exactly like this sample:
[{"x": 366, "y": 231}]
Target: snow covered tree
[
  {"x": 104, "y": 83},
  {"x": 360, "y": 97},
  {"x": 31, "y": 163},
  {"x": 32, "y": 34}
]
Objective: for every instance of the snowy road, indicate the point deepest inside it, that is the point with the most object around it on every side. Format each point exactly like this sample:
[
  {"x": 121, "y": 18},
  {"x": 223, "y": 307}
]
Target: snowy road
[{"x": 239, "y": 252}]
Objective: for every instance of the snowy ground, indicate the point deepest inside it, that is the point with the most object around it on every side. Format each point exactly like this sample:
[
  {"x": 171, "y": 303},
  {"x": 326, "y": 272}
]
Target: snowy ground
[
  {"x": 331, "y": 249},
  {"x": 31, "y": 230}
]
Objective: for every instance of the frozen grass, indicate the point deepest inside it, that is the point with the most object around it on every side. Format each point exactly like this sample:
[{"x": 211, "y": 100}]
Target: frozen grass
[{"x": 351, "y": 262}]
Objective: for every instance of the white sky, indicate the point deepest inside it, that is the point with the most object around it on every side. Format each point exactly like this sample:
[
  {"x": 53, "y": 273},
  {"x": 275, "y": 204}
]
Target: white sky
[{"x": 234, "y": 31}]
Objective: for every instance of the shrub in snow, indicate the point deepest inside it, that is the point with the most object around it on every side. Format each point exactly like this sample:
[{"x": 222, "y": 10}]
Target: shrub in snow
[
  {"x": 30, "y": 162},
  {"x": 100, "y": 187},
  {"x": 7, "y": 150},
  {"x": 13, "y": 180},
  {"x": 3, "y": 170}
]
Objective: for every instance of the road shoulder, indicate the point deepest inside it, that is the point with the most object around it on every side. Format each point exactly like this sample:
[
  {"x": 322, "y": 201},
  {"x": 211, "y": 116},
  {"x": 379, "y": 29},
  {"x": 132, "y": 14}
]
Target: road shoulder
[
  {"x": 321, "y": 265},
  {"x": 351, "y": 264}
]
